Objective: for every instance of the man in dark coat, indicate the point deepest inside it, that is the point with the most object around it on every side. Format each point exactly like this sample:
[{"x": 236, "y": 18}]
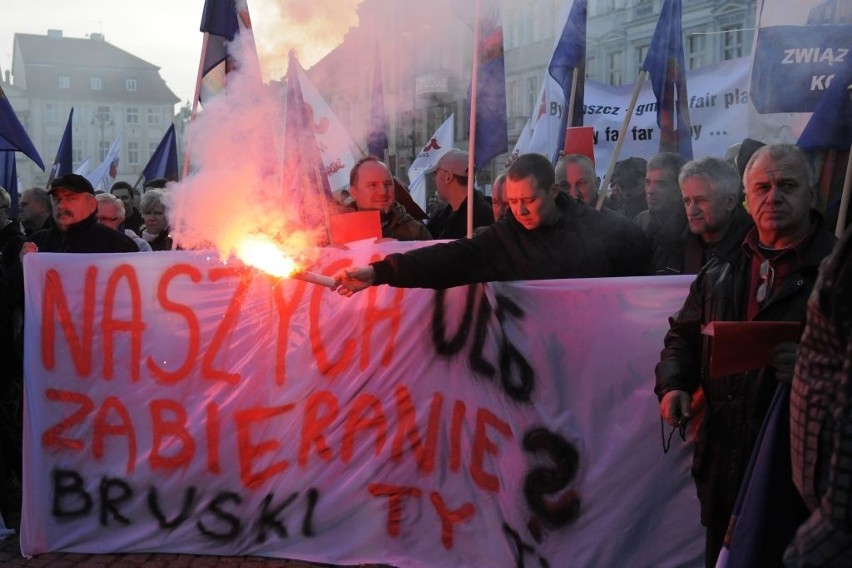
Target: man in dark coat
[
  {"x": 11, "y": 232},
  {"x": 451, "y": 178},
  {"x": 372, "y": 188},
  {"x": 767, "y": 278},
  {"x": 75, "y": 211},
  {"x": 544, "y": 235},
  {"x": 711, "y": 196}
]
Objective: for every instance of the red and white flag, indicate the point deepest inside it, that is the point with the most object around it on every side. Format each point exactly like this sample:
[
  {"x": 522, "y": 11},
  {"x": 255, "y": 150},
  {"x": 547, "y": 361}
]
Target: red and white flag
[{"x": 438, "y": 145}]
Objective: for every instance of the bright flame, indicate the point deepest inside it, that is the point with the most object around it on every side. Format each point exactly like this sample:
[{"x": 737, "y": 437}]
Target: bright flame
[{"x": 261, "y": 252}]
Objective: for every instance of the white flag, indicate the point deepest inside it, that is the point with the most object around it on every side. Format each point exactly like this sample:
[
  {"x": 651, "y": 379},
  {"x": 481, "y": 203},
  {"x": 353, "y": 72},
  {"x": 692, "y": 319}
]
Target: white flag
[
  {"x": 523, "y": 143},
  {"x": 83, "y": 168},
  {"x": 334, "y": 140},
  {"x": 437, "y": 146},
  {"x": 546, "y": 119},
  {"x": 106, "y": 172}
]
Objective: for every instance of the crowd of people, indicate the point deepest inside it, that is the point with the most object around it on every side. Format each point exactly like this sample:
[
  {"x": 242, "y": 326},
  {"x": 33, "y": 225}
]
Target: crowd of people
[{"x": 748, "y": 229}]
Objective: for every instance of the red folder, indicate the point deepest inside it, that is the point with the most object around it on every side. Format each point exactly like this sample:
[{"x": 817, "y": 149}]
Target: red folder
[
  {"x": 740, "y": 346},
  {"x": 355, "y": 226}
]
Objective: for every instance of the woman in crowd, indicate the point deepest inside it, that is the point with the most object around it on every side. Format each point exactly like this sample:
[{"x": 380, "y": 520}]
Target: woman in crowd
[{"x": 155, "y": 215}]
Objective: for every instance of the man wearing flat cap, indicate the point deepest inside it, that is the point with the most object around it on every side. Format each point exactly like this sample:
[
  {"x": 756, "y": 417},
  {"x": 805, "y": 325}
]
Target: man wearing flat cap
[
  {"x": 451, "y": 179},
  {"x": 75, "y": 211}
]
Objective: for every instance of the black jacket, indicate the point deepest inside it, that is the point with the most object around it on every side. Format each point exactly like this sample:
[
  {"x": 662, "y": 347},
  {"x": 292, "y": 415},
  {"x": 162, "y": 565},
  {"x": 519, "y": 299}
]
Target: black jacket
[
  {"x": 584, "y": 243},
  {"x": 11, "y": 238},
  {"x": 735, "y": 405},
  {"x": 449, "y": 224},
  {"x": 86, "y": 236}
]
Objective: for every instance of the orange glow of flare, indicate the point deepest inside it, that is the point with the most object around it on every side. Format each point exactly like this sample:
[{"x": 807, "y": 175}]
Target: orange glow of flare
[{"x": 262, "y": 253}]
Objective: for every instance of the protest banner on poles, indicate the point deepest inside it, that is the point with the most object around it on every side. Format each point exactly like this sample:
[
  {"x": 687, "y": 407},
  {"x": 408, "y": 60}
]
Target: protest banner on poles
[
  {"x": 178, "y": 404},
  {"x": 718, "y": 112}
]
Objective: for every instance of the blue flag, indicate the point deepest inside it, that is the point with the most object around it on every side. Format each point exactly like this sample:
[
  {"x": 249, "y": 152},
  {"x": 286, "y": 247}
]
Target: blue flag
[
  {"x": 222, "y": 20},
  {"x": 219, "y": 19},
  {"x": 768, "y": 509},
  {"x": 665, "y": 64},
  {"x": 830, "y": 126},
  {"x": 304, "y": 177},
  {"x": 377, "y": 139},
  {"x": 570, "y": 54},
  {"x": 13, "y": 136},
  {"x": 492, "y": 137},
  {"x": 64, "y": 163},
  {"x": 163, "y": 162}
]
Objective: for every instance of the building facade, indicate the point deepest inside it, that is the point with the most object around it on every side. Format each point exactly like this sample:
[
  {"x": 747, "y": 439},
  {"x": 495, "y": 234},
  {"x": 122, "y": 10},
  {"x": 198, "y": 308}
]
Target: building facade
[
  {"x": 426, "y": 59},
  {"x": 110, "y": 90}
]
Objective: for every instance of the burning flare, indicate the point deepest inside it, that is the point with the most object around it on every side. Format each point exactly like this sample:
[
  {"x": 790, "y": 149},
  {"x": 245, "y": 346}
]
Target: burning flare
[{"x": 262, "y": 253}]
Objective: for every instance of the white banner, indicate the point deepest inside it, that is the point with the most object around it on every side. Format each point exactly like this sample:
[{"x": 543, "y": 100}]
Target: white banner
[
  {"x": 334, "y": 140},
  {"x": 177, "y": 404},
  {"x": 718, "y": 114}
]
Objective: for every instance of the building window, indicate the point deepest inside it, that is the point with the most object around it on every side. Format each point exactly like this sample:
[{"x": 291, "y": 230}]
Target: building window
[
  {"x": 153, "y": 116},
  {"x": 64, "y": 82},
  {"x": 591, "y": 63},
  {"x": 132, "y": 115},
  {"x": 103, "y": 150},
  {"x": 695, "y": 45},
  {"x": 133, "y": 153},
  {"x": 613, "y": 70},
  {"x": 96, "y": 83},
  {"x": 641, "y": 52},
  {"x": 101, "y": 116},
  {"x": 512, "y": 98},
  {"x": 732, "y": 42},
  {"x": 532, "y": 95},
  {"x": 77, "y": 152},
  {"x": 52, "y": 112},
  {"x": 130, "y": 84},
  {"x": 152, "y": 147}
]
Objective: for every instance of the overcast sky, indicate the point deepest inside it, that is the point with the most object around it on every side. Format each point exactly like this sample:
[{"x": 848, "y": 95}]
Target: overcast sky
[{"x": 165, "y": 32}]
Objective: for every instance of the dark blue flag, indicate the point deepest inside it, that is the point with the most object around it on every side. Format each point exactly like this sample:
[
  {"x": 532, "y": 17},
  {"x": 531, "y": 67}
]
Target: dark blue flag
[
  {"x": 64, "y": 163},
  {"x": 830, "y": 126},
  {"x": 219, "y": 19},
  {"x": 304, "y": 177},
  {"x": 377, "y": 139},
  {"x": 13, "y": 136},
  {"x": 570, "y": 54},
  {"x": 163, "y": 162},
  {"x": 768, "y": 509},
  {"x": 492, "y": 137},
  {"x": 665, "y": 64},
  {"x": 223, "y": 21}
]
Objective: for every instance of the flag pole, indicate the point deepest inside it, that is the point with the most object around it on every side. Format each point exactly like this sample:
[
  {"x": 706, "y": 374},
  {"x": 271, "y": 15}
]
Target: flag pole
[
  {"x": 471, "y": 145},
  {"x": 620, "y": 142},
  {"x": 195, "y": 99},
  {"x": 572, "y": 101},
  {"x": 844, "y": 198}
]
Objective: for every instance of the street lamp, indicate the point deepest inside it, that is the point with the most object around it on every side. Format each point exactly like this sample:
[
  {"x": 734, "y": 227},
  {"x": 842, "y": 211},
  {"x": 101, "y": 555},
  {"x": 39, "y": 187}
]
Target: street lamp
[{"x": 101, "y": 117}]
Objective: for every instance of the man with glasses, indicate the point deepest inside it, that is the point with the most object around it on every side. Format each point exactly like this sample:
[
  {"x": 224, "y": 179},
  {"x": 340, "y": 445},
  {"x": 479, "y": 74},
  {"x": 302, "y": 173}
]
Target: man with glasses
[
  {"x": 767, "y": 277},
  {"x": 451, "y": 175}
]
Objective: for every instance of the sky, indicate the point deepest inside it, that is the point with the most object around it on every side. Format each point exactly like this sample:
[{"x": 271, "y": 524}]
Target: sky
[{"x": 165, "y": 32}]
